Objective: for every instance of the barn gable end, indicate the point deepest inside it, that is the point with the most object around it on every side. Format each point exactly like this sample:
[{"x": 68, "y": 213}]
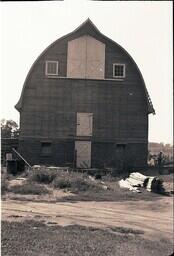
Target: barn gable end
[{"x": 85, "y": 73}]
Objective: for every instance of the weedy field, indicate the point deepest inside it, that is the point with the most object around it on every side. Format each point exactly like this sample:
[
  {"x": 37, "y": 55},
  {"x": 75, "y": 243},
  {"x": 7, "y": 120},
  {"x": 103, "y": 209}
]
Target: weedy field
[{"x": 50, "y": 212}]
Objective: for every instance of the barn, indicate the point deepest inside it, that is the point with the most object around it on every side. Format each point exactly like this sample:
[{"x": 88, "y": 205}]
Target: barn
[{"x": 84, "y": 103}]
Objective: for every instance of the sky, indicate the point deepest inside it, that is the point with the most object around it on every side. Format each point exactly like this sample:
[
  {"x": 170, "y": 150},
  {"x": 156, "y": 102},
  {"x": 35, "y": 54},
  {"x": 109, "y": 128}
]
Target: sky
[{"x": 143, "y": 28}]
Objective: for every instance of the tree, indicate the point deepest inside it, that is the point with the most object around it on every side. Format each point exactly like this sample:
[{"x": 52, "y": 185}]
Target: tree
[{"x": 9, "y": 129}]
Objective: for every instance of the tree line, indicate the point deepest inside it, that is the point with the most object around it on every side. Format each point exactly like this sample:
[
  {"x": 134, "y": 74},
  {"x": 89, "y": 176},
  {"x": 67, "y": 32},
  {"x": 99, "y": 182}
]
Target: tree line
[{"x": 9, "y": 129}]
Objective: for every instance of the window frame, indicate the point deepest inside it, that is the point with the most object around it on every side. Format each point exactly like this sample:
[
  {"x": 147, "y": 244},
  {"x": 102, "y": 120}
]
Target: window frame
[
  {"x": 46, "y": 154},
  {"x": 46, "y": 67},
  {"x": 124, "y": 70}
]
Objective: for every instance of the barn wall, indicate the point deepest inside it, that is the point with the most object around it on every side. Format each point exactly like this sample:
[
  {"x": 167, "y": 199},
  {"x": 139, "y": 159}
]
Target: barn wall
[
  {"x": 104, "y": 154},
  {"x": 50, "y": 109},
  {"x": 62, "y": 152}
]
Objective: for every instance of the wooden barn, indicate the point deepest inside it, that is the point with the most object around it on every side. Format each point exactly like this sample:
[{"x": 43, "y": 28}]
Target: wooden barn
[{"x": 84, "y": 103}]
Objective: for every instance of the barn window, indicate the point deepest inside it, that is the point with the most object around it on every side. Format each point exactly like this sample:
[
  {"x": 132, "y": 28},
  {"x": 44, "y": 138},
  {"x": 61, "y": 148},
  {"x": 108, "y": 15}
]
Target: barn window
[
  {"x": 51, "y": 67},
  {"x": 46, "y": 148},
  {"x": 118, "y": 70}
]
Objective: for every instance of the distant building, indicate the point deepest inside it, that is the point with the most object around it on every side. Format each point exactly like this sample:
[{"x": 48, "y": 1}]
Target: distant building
[
  {"x": 84, "y": 102},
  {"x": 7, "y": 144}
]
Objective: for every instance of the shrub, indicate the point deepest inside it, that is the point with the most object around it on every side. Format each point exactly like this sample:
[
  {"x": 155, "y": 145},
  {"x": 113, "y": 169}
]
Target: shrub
[
  {"x": 81, "y": 185},
  {"x": 74, "y": 182},
  {"x": 61, "y": 182},
  {"x": 29, "y": 188},
  {"x": 43, "y": 175}
]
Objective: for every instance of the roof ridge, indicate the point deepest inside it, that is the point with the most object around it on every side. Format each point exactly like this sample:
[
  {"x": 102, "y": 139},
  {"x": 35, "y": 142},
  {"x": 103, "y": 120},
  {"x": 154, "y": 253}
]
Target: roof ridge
[{"x": 88, "y": 20}]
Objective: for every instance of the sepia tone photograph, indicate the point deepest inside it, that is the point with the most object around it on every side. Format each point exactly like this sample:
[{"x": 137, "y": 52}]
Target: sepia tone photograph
[{"x": 86, "y": 128}]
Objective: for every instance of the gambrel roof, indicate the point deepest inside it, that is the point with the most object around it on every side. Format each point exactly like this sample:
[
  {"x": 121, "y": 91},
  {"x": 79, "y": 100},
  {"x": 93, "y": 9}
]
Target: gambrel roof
[{"x": 88, "y": 28}]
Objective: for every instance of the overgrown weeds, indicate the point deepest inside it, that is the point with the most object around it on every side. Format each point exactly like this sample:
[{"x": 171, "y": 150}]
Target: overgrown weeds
[
  {"x": 74, "y": 184},
  {"x": 59, "y": 179},
  {"x": 43, "y": 175}
]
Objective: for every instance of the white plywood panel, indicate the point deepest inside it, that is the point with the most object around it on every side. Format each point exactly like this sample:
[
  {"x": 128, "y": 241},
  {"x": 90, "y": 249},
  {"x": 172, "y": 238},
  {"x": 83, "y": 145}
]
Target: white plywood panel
[
  {"x": 83, "y": 154},
  {"x": 84, "y": 124},
  {"x": 86, "y": 58},
  {"x": 95, "y": 59},
  {"x": 76, "y": 59}
]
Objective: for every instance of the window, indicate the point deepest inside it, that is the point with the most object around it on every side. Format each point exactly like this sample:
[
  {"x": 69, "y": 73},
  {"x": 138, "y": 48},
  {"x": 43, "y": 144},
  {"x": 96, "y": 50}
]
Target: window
[
  {"x": 46, "y": 148},
  {"x": 119, "y": 70},
  {"x": 51, "y": 67}
]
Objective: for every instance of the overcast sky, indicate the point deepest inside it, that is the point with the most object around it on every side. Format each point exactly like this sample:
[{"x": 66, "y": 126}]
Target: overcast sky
[{"x": 143, "y": 28}]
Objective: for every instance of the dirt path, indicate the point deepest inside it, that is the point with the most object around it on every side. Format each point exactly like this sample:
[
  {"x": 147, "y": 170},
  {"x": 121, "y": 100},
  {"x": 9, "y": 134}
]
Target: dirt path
[{"x": 154, "y": 218}]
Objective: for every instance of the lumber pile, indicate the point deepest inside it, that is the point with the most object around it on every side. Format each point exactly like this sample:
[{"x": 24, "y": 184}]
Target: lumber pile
[{"x": 137, "y": 180}]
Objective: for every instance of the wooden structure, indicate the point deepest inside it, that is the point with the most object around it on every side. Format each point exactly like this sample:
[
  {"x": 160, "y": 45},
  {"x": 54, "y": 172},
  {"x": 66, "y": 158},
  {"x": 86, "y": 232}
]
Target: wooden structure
[
  {"x": 84, "y": 101},
  {"x": 7, "y": 144}
]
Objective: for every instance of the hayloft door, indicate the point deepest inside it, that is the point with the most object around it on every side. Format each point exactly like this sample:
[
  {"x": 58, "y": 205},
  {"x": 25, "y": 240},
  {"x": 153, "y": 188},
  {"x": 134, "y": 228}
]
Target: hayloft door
[
  {"x": 86, "y": 58},
  {"x": 84, "y": 124},
  {"x": 83, "y": 154}
]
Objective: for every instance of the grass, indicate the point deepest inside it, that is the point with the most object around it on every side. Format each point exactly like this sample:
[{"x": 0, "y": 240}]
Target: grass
[
  {"x": 29, "y": 188},
  {"x": 36, "y": 239}
]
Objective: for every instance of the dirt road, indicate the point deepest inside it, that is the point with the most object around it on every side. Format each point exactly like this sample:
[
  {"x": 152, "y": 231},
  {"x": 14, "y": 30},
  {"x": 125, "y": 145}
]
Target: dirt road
[{"x": 154, "y": 218}]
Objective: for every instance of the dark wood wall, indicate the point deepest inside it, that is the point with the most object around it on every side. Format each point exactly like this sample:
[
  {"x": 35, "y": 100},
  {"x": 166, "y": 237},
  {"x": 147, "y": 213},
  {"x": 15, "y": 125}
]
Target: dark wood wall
[
  {"x": 103, "y": 154},
  {"x": 50, "y": 109}
]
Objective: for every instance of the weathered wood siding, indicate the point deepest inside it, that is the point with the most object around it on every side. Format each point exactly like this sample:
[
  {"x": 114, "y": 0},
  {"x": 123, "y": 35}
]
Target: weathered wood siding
[{"x": 119, "y": 111}]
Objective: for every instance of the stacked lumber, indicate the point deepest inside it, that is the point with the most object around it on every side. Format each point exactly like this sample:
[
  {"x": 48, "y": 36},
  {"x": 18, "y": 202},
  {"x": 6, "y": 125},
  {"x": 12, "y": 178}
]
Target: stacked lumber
[{"x": 137, "y": 180}]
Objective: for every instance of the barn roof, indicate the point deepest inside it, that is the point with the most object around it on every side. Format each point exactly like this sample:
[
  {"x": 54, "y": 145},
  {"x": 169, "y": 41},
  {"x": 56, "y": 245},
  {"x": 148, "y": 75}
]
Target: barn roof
[{"x": 88, "y": 26}]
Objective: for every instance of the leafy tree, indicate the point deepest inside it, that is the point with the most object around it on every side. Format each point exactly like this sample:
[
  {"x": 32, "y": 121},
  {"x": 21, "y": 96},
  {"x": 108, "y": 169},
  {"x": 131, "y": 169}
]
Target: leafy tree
[{"x": 9, "y": 129}]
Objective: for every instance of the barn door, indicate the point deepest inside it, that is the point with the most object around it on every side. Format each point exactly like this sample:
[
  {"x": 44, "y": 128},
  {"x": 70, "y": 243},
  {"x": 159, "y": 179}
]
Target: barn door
[
  {"x": 84, "y": 124},
  {"x": 83, "y": 154}
]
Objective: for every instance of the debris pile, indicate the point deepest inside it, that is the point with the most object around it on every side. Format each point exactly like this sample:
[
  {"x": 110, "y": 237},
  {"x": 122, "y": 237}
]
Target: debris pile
[{"x": 137, "y": 180}]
